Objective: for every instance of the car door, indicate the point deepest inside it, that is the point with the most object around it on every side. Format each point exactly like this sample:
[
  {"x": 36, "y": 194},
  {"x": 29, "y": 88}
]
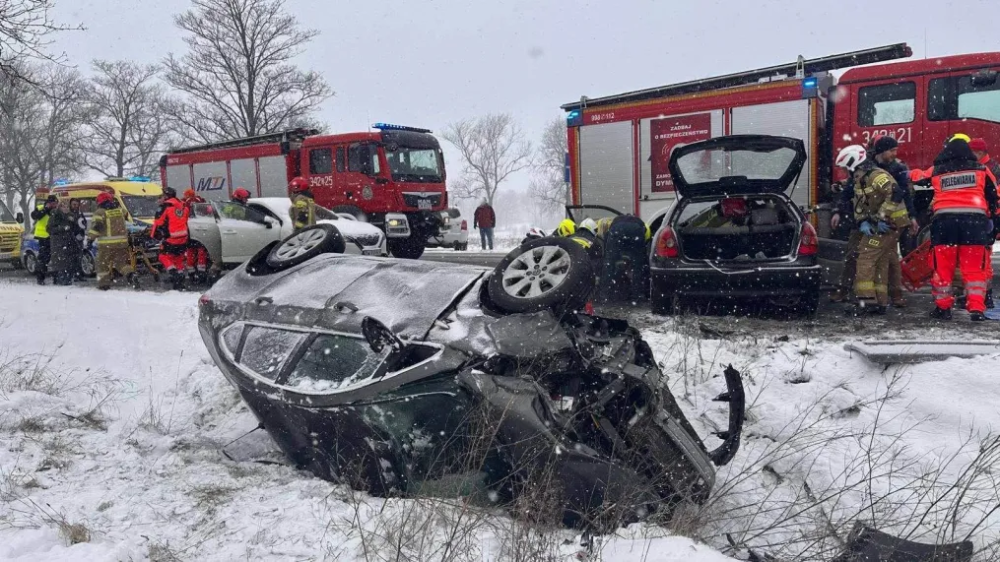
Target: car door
[{"x": 244, "y": 237}]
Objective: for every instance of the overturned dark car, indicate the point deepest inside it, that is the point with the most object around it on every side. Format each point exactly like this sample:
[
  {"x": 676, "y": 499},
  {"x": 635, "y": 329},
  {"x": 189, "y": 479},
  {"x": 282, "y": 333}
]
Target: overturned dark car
[{"x": 385, "y": 373}]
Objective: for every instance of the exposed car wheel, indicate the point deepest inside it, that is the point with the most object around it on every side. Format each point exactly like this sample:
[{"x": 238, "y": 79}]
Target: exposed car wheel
[
  {"x": 87, "y": 266},
  {"x": 30, "y": 262},
  {"x": 543, "y": 273},
  {"x": 406, "y": 248},
  {"x": 351, "y": 210},
  {"x": 306, "y": 244}
]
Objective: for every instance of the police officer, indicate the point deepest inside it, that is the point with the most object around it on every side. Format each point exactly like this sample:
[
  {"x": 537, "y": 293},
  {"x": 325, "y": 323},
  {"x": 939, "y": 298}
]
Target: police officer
[
  {"x": 108, "y": 230},
  {"x": 965, "y": 200},
  {"x": 303, "y": 209},
  {"x": 41, "y": 217},
  {"x": 171, "y": 227},
  {"x": 625, "y": 247},
  {"x": 873, "y": 212}
]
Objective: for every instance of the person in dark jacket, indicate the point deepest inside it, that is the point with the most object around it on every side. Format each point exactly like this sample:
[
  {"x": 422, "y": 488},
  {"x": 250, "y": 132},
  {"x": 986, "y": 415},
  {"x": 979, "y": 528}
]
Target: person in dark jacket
[
  {"x": 485, "y": 220},
  {"x": 65, "y": 256},
  {"x": 624, "y": 252},
  {"x": 41, "y": 217},
  {"x": 79, "y": 234}
]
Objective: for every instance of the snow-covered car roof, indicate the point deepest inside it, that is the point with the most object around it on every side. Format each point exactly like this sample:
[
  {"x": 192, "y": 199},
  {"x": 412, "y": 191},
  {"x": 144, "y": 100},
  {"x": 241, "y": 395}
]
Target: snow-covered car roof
[{"x": 349, "y": 228}]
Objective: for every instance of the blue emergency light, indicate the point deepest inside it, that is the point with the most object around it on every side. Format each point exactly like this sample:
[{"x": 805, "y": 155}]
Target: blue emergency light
[
  {"x": 574, "y": 118},
  {"x": 810, "y": 87},
  {"x": 391, "y": 127},
  {"x": 60, "y": 181},
  {"x": 138, "y": 178}
]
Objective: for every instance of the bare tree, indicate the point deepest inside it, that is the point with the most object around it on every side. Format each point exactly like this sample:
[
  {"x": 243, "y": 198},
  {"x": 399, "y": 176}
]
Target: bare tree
[
  {"x": 237, "y": 73},
  {"x": 548, "y": 186},
  {"x": 25, "y": 27},
  {"x": 41, "y": 122},
  {"x": 129, "y": 127},
  {"x": 493, "y": 148}
]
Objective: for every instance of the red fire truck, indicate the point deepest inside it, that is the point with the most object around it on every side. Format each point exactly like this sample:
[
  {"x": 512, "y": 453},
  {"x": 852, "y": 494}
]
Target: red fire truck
[
  {"x": 619, "y": 145},
  {"x": 393, "y": 178}
]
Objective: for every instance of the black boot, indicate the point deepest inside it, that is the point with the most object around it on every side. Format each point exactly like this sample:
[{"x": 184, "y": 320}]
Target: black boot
[
  {"x": 177, "y": 280},
  {"x": 977, "y": 316},
  {"x": 989, "y": 299},
  {"x": 941, "y": 313},
  {"x": 133, "y": 280}
]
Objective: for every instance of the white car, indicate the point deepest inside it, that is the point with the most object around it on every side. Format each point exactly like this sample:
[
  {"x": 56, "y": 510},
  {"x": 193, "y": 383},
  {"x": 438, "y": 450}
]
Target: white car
[
  {"x": 454, "y": 232},
  {"x": 232, "y": 233}
]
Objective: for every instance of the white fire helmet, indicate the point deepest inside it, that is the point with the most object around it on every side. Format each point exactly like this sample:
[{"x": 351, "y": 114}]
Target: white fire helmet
[
  {"x": 851, "y": 157},
  {"x": 589, "y": 224}
]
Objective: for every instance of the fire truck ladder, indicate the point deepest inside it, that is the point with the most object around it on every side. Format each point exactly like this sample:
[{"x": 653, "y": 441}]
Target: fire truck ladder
[
  {"x": 800, "y": 68},
  {"x": 285, "y": 137}
]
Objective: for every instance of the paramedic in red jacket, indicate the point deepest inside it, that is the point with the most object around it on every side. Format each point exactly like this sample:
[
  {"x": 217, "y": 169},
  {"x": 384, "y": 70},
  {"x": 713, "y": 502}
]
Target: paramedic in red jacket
[
  {"x": 965, "y": 201},
  {"x": 171, "y": 228},
  {"x": 196, "y": 255}
]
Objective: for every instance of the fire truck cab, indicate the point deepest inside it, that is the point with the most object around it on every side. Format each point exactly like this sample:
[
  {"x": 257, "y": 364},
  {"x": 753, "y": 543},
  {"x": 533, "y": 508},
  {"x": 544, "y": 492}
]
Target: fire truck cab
[
  {"x": 393, "y": 177},
  {"x": 619, "y": 145}
]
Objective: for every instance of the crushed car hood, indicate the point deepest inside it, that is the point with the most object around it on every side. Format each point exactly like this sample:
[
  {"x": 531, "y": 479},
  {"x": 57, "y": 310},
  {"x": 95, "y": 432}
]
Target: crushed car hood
[{"x": 335, "y": 292}]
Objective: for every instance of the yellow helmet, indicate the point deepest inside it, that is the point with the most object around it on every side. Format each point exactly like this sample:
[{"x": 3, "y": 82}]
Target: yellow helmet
[
  {"x": 960, "y": 136},
  {"x": 648, "y": 233},
  {"x": 566, "y": 228}
]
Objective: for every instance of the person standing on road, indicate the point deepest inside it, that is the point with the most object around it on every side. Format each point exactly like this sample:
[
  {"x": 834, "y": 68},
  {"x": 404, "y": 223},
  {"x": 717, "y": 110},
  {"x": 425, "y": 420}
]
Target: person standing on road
[
  {"x": 196, "y": 256},
  {"x": 485, "y": 219},
  {"x": 965, "y": 201},
  {"x": 884, "y": 149},
  {"x": 41, "y": 217},
  {"x": 303, "y": 210},
  {"x": 79, "y": 236},
  {"x": 107, "y": 229},
  {"x": 65, "y": 258},
  {"x": 873, "y": 212},
  {"x": 171, "y": 227},
  {"x": 982, "y": 153}
]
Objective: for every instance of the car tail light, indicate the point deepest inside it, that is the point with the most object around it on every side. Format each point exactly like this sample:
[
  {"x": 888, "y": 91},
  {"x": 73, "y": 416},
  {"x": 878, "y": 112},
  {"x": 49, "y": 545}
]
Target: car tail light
[
  {"x": 666, "y": 244},
  {"x": 808, "y": 240},
  {"x": 465, "y": 225}
]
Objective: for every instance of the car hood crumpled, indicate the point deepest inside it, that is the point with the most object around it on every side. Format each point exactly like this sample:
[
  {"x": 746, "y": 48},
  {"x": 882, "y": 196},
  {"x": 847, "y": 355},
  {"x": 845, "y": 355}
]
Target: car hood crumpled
[{"x": 336, "y": 292}]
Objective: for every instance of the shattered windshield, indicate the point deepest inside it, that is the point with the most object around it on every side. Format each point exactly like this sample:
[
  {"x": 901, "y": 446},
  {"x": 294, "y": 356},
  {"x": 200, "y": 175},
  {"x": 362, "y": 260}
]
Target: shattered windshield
[
  {"x": 421, "y": 165},
  {"x": 334, "y": 362}
]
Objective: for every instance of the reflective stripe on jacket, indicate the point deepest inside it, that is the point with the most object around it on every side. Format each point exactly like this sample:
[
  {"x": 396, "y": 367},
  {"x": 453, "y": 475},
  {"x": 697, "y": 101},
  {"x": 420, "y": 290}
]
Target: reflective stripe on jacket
[
  {"x": 42, "y": 224},
  {"x": 303, "y": 211},
  {"x": 107, "y": 226},
  {"x": 961, "y": 191},
  {"x": 172, "y": 222},
  {"x": 873, "y": 197}
]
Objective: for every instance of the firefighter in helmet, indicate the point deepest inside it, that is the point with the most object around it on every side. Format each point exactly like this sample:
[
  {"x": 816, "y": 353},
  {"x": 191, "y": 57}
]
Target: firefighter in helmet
[
  {"x": 303, "y": 210},
  {"x": 171, "y": 228},
  {"x": 878, "y": 220},
  {"x": 237, "y": 207},
  {"x": 196, "y": 257},
  {"x": 109, "y": 232}
]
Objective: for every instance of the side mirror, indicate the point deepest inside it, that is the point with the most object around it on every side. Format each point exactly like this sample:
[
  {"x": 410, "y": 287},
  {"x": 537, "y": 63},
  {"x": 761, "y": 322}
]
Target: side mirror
[{"x": 19, "y": 218}]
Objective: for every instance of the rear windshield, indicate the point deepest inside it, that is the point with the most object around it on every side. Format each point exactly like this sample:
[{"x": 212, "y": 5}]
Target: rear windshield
[
  {"x": 711, "y": 165},
  {"x": 5, "y": 214},
  {"x": 141, "y": 206}
]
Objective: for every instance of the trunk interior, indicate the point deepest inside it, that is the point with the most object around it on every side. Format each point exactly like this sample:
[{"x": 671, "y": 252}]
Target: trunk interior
[{"x": 750, "y": 228}]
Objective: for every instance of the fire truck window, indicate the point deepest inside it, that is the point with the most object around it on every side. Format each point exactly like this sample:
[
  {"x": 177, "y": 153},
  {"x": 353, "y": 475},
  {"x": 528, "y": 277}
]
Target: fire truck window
[
  {"x": 979, "y": 101},
  {"x": 941, "y": 99},
  {"x": 341, "y": 164},
  {"x": 354, "y": 158},
  {"x": 321, "y": 161},
  {"x": 887, "y": 104}
]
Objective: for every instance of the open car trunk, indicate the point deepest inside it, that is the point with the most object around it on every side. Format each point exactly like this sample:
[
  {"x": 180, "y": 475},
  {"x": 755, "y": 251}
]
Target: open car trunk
[{"x": 768, "y": 230}]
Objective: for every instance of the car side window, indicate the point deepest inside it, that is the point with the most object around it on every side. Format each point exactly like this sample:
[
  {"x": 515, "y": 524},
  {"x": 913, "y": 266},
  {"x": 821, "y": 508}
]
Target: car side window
[
  {"x": 332, "y": 362},
  {"x": 321, "y": 161},
  {"x": 239, "y": 212},
  {"x": 266, "y": 350},
  {"x": 887, "y": 104}
]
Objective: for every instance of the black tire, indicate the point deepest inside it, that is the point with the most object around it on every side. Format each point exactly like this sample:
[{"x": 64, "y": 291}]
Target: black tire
[
  {"x": 304, "y": 245},
  {"x": 87, "y": 265},
  {"x": 566, "y": 287},
  {"x": 351, "y": 210},
  {"x": 406, "y": 248},
  {"x": 30, "y": 262}
]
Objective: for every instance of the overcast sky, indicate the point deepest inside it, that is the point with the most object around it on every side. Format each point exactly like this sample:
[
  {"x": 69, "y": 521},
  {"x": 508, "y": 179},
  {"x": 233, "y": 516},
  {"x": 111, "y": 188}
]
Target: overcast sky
[{"x": 427, "y": 63}]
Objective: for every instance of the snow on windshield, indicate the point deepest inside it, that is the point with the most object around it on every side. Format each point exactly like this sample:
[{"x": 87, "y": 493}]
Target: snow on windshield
[{"x": 334, "y": 362}]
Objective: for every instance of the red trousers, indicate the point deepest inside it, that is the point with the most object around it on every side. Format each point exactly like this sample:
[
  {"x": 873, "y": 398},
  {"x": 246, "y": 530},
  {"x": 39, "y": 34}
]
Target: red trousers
[
  {"x": 172, "y": 256},
  {"x": 973, "y": 262},
  {"x": 197, "y": 258}
]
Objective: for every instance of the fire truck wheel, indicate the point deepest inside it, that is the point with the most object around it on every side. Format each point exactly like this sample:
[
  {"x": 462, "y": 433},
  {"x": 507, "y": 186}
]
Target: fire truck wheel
[
  {"x": 544, "y": 273},
  {"x": 406, "y": 248},
  {"x": 351, "y": 210},
  {"x": 305, "y": 245}
]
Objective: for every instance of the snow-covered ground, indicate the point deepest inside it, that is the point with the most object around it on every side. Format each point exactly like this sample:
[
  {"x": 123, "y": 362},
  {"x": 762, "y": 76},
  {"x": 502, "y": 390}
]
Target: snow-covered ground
[{"x": 113, "y": 417}]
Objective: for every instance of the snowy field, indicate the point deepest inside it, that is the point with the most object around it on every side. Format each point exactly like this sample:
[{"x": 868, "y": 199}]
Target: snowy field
[{"x": 113, "y": 419}]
